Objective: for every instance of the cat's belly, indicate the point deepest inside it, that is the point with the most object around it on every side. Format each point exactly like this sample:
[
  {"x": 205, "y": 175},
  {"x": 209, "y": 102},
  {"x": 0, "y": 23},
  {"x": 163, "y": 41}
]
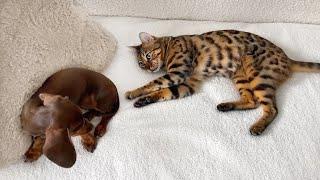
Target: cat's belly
[
  {"x": 217, "y": 68},
  {"x": 219, "y": 72}
]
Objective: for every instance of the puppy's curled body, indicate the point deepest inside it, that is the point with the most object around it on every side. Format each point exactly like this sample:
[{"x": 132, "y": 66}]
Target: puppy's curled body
[{"x": 54, "y": 113}]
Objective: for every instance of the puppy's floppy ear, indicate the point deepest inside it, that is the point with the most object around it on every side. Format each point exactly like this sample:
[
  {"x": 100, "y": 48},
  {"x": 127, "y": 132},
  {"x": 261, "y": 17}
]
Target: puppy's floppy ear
[
  {"x": 146, "y": 37},
  {"x": 59, "y": 148}
]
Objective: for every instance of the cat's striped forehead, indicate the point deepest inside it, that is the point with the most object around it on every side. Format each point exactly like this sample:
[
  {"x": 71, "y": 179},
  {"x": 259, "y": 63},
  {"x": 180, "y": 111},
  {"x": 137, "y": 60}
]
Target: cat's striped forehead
[{"x": 148, "y": 47}]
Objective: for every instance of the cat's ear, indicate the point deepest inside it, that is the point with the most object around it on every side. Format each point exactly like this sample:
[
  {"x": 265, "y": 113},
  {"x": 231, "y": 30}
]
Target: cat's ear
[{"x": 146, "y": 37}]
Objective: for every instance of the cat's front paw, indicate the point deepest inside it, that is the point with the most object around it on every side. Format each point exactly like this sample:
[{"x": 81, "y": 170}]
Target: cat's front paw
[
  {"x": 144, "y": 101},
  {"x": 225, "y": 107},
  {"x": 131, "y": 95},
  {"x": 256, "y": 129}
]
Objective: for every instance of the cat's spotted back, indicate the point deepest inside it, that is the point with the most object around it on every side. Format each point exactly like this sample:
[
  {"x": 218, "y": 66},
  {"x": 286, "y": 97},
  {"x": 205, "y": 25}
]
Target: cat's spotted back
[{"x": 256, "y": 66}]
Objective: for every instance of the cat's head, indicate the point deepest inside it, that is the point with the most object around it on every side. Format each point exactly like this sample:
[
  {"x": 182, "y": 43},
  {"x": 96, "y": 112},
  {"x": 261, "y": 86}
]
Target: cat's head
[{"x": 149, "y": 52}]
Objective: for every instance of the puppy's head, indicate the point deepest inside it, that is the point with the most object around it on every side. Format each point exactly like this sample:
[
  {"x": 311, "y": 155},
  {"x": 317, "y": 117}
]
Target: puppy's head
[{"x": 66, "y": 117}]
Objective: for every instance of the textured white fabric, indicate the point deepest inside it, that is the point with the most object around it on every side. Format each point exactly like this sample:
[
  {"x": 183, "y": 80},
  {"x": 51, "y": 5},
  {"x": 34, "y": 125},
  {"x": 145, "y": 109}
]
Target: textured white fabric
[
  {"x": 302, "y": 11},
  {"x": 189, "y": 138},
  {"x": 37, "y": 38}
]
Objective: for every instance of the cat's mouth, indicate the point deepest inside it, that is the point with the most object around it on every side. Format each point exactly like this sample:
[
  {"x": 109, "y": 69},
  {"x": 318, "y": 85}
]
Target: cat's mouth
[{"x": 156, "y": 69}]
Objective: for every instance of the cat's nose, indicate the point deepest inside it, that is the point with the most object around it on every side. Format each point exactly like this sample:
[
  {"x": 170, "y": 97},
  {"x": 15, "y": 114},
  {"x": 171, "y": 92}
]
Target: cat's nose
[{"x": 141, "y": 64}]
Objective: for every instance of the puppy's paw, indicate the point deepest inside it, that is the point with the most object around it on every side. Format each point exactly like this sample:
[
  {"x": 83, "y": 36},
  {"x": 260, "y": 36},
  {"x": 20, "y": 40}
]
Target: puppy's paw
[
  {"x": 225, "y": 107},
  {"x": 143, "y": 102},
  {"x": 257, "y": 130},
  {"x": 31, "y": 156},
  {"x": 100, "y": 130},
  {"x": 90, "y": 145}
]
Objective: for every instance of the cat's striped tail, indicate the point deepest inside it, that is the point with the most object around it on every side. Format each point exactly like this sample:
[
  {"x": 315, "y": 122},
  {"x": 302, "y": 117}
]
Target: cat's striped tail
[{"x": 299, "y": 66}]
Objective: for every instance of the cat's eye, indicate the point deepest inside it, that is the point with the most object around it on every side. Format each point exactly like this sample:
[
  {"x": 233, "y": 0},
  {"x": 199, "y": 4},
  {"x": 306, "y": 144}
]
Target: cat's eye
[{"x": 148, "y": 56}]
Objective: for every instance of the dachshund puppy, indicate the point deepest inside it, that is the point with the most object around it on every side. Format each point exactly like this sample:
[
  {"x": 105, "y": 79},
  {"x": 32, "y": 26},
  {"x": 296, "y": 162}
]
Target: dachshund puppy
[{"x": 54, "y": 113}]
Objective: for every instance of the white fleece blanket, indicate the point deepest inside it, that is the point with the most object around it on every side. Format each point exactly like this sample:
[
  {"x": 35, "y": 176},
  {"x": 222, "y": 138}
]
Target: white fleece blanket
[{"x": 189, "y": 138}]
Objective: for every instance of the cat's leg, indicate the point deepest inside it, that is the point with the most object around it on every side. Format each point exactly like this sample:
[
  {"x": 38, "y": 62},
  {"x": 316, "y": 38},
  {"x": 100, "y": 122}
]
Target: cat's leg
[
  {"x": 189, "y": 87},
  {"x": 264, "y": 90},
  {"x": 246, "y": 101},
  {"x": 174, "y": 77}
]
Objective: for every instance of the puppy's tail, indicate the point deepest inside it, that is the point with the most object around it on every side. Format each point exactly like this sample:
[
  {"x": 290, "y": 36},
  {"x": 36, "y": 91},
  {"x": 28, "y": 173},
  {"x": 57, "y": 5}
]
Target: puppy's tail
[{"x": 299, "y": 66}]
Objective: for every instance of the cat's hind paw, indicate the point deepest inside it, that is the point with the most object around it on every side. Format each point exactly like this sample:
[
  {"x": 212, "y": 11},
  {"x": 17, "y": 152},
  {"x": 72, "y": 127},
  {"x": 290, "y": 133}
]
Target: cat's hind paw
[{"x": 256, "y": 130}]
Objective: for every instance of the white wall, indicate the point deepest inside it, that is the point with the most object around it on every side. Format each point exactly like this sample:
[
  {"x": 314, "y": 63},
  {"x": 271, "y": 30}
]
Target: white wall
[{"x": 302, "y": 11}]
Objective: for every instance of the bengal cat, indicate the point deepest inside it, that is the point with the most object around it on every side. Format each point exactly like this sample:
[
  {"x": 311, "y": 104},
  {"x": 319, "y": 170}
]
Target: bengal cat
[{"x": 255, "y": 65}]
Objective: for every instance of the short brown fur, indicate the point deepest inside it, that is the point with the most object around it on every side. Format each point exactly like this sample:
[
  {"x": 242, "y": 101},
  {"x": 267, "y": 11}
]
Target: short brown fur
[{"x": 53, "y": 114}]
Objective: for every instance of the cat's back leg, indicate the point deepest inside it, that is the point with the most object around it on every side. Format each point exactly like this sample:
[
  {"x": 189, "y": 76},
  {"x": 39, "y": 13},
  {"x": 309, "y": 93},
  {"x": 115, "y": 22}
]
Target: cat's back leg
[
  {"x": 264, "y": 90},
  {"x": 247, "y": 100},
  {"x": 264, "y": 79}
]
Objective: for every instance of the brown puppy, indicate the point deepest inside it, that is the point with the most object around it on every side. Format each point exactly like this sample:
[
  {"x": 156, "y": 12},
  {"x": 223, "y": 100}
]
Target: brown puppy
[{"x": 53, "y": 114}]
